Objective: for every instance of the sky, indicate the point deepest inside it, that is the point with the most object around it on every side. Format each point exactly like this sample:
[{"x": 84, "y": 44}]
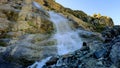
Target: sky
[{"x": 109, "y": 8}]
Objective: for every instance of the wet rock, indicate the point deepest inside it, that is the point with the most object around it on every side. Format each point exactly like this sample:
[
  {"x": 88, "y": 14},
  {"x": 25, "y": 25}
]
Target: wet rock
[
  {"x": 110, "y": 33},
  {"x": 100, "y": 53},
  {"x": 2, "y": 49},
  {"x": 107, "y": 40},
  {"x": 6, "y": 64},
  {"x": 88, "y": 36},
  {"x": 52, "y": 61},
  {"x": 85, "y": 47},
  {"x": 84, "y": 44},
  {"x": 99, "y": 63},
  {"x": 31, "y": 49},
  {"x": 9, "y": 65},
  {"x": 116, "y": 39},
  {"x": 115, "y": 54}
]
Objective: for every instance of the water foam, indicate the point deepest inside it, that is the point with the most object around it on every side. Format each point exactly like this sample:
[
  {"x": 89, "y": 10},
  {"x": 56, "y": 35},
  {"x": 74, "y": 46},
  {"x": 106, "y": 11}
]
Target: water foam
[{"x": 68, "y": 40}]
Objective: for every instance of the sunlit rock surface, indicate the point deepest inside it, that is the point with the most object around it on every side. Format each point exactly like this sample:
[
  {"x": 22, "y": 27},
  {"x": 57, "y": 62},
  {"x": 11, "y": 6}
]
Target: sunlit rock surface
[
  {"x": 25, "y": 29},
  {"x": 28, "y": 34},
  {"x": 80, "y": 19}
]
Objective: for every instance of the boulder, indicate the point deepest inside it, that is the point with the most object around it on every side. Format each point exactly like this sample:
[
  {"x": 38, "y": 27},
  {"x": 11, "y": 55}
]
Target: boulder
[
  {"x": 2, "y": 49},
  {"x": 6, "y": 64},
  {"x": 100, "y": 53},
  {"x": 115, "y": 54},
  {"x": 110, "y": 33},
  {"x": 52, "y": 61}
]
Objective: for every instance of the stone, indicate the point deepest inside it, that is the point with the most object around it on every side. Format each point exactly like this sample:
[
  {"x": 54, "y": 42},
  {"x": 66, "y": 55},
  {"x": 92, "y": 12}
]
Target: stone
[
  {"x": 110, "y": 33},
  {"x": 2, "y": 49},
  {"x": 99, "y": 63},
  {"x": 84, "y": 44},
  {"x": 100, "y": 53},
  {"x": 115, "y": 54},
  {"x": 52, "y": 61},
  {"x": 116, "y": 39},
  {"x": 6, "y": 64}
]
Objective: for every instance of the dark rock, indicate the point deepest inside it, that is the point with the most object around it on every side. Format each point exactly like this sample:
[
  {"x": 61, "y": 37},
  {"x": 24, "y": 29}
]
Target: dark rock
[
  {"x": 52, "y": 61},
  {"x": 6, "y": 64},
  {"x": 110, "y": 33},
  {"x": 100, "y": 53},
  {"x": 1, "y": 60},
  {"x": 9, "y": 65},
  {"x": 108, "y": 40},
  {"x": 117, "y": 39},
  {"x": 115, "y": 54},
  {"x": 84, "y": 44},
  {"x": 84, "y": 48}
]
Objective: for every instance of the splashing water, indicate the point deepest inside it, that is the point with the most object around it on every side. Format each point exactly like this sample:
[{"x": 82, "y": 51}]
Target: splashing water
[
  {"x": 67, "y": 39},
  {"x": 37, "y": 5},
  {"x": 40, "y": 64}
]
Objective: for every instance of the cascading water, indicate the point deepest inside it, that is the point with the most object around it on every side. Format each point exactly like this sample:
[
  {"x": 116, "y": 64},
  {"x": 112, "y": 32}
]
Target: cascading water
[
  {"x": 39, "y": 64},
  {"x": 36, "y": 5},
  {"x": 67, "y": 39}
]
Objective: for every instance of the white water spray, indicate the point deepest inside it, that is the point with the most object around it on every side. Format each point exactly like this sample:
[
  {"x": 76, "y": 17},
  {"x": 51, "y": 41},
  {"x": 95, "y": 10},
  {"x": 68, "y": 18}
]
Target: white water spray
[
  {"x": 67, "y": 39},
  {"x": 37, "y": 5},
  {"x": 39, "y": 64}
]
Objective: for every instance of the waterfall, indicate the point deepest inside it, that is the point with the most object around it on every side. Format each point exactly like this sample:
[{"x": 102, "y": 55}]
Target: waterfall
[
  {"x": 36, "y": 5},
  {"x": 39, "y": 64},
  {"x": 68, "y": 40}
]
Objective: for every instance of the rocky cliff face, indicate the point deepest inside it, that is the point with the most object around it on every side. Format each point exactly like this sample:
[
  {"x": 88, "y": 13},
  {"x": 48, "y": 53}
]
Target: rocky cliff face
[
  {"x": 80, "y": 19},
  {"x": 26, "y": 31},
  {"x": 23, "y": 23},
  {"x": 24, "y": 16}
]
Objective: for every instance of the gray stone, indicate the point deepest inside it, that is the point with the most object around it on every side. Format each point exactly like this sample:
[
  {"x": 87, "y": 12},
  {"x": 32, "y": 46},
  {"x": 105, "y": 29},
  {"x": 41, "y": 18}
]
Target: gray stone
[
  {"x": 100, "y": 53},
  {"x": 52, "y": 61},
  {"x": 115, "y": 54}
]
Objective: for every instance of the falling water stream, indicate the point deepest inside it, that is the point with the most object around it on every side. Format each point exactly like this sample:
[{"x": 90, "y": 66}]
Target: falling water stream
[{"x": 68, "y": 40}]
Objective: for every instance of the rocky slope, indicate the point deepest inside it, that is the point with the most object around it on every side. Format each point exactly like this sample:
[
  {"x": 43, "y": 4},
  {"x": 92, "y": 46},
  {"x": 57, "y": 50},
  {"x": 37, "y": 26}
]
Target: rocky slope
[
  {"x": 92, "y": 55},
  {"x": 80, "y": 19},
  {"x": 23, "y": 25},
  {"x": 26, "y": 31}
]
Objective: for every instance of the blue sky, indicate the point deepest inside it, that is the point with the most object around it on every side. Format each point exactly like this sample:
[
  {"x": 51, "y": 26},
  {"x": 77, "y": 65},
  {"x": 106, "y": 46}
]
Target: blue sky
[{"x": 109, "y": 8}]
